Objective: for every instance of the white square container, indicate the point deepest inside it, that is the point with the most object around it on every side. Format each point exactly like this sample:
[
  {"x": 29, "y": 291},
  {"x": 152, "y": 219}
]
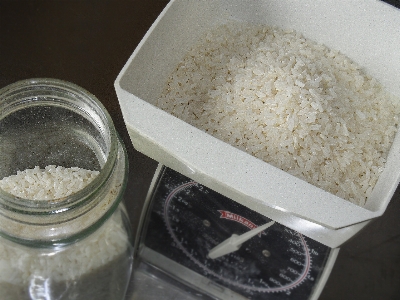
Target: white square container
[{"x": 367, "y": 31}]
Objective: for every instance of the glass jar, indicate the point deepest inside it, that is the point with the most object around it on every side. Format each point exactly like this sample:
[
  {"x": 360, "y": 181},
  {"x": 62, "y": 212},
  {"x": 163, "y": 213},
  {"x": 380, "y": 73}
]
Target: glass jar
[{"x": 76, "y": 246}]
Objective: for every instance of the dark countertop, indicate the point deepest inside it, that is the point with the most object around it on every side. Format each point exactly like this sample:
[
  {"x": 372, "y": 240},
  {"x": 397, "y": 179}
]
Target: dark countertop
[{"x": 88, "y": 42}]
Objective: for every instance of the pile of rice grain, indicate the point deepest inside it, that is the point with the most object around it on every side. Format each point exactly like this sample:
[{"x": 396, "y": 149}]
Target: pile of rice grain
[
  {"x": 52, "y": 182},
  {"x": 289, "y": 101}
]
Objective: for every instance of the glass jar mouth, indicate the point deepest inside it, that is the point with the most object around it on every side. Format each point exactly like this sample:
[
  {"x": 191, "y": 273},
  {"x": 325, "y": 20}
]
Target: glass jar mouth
[{"x": 40, "y": 92}]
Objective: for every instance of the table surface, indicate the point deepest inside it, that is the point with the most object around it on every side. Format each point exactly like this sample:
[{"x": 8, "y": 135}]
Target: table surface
[{"x": 88, "y": 42}]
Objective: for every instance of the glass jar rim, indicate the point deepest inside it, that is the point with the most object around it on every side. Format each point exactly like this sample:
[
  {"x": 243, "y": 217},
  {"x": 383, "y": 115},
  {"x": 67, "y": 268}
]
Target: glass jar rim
[{"x": 79, "y": 198}]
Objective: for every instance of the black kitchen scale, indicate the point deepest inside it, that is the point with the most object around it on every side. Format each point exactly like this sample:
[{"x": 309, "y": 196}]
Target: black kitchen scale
[
  {"x": 212, "y": 247},
  {"x": 199, "y": 232}
]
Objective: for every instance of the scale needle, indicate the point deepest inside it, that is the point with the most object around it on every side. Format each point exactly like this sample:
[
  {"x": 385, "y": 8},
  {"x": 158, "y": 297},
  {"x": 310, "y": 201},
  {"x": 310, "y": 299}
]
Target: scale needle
[{"x": 235, "y": 241}]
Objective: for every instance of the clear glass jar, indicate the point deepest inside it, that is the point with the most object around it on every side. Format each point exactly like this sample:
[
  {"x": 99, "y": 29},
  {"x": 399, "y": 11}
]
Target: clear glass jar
[{"x": 77, "y": 246}]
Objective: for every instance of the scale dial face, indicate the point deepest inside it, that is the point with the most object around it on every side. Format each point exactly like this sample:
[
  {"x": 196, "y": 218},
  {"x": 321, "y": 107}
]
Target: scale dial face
[{"x": 187, "y": 220}]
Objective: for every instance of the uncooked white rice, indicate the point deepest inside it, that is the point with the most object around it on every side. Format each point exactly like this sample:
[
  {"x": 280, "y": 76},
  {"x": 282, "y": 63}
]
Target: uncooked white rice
[
  {"x": 21, "y": 266},
  {"x": 52, "y": 182},
  {"x": 298, "y": 105}
]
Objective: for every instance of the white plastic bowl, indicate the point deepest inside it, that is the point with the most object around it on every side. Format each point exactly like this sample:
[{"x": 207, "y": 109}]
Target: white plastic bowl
[{"x": 367, "y": 31}]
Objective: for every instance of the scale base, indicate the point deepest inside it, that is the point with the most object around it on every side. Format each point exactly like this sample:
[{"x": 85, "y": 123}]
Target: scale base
[
  {"x": 149, "y": 283},
  {"x": 165, "y": 267}
]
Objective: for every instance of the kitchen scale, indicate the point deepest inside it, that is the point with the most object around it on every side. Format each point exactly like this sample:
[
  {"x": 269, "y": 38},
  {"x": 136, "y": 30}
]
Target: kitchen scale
[
  {"x": 224, "y": 250},
  {"x": 218, "y": 222}
]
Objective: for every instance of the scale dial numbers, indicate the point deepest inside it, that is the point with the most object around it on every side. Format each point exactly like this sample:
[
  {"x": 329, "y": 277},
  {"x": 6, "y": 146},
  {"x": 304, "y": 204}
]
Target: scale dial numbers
[{"x": 188, "y": 220}]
